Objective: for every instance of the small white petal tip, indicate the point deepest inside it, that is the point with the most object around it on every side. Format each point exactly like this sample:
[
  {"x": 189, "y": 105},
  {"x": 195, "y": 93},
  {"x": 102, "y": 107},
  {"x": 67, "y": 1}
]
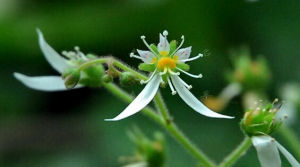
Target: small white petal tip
[
  {"x": 190, "y": 87},
  {"x": 143, "y": 37},
  {"x": 77, "y": 48},
  {"x": 174, "y": 93},
  {"x": 165, "y": 33},
  {"x": 110, "y": 120},
  {"x": 200, "y": 55},
  {"x": 182, "y": 37},
  {"x": 200, "y": 76}
]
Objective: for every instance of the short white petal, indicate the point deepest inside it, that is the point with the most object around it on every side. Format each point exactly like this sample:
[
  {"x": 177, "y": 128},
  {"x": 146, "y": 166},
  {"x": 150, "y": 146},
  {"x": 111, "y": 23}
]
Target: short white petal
[
  {"x": 184, "y": 53},
  {"x": 138, "y": 164},
  {"x": 54, "y": 59},
  {"x": 267, "y": 151},
  {"x": 288, "y": 155},
  {"x": 147, "y": 56},
  {"x": 192, "y": 101},
  {"x": 163, "y": 44},
  {"x": 43, "y": 83},
  {"x": 141, "y": 100}
]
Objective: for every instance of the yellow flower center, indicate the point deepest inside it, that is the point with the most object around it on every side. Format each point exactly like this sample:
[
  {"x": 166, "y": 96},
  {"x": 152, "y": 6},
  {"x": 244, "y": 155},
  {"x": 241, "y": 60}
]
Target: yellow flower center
[
  {"x": 164, "y": 53},
  {"x": 166, "y": 62}
]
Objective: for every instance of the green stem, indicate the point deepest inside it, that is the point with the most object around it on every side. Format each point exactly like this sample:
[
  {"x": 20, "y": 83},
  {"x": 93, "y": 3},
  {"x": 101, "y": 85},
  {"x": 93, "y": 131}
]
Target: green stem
[
  {"x": 115, "y": 62},
  {"x": 188, "y": 145},
  {"x": 161, "y": 107},
  {"x": 171, "y": 128},
  {"x": 178, "y": 135},
  {"x": 237, "y": 153},
  {"x": 92, "y": 62},
  {"x": 127, "y": 68},
  {"x": 291, "y": 139}
]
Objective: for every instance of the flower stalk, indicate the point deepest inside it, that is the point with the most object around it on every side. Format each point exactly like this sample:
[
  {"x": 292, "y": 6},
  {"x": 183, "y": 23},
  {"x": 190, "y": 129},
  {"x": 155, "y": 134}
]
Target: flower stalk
[
  {"x": 171, "y": 128},
  {"x": 236, "y": 153}
]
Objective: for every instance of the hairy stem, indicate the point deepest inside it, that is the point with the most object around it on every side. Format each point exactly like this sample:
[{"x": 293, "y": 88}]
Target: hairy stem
[
  {"x": 170, "y": 127},
  {"x": 291, "y": 139},
  {"x": 178, "y": 135},
  {"x": 115, "y": 62},
  {"x": 237, "y": 153},
  {"x": 161, "y": 107},
  {"x": 164, "y": 121}
]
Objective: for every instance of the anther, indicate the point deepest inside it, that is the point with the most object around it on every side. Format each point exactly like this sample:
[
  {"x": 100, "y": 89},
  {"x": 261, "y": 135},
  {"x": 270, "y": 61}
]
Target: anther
[{"x": 165, "y": 33}]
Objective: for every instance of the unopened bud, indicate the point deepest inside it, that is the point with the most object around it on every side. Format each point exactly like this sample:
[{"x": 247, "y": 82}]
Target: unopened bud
[
  {"x": 93, "y": 76},
  {"x": 260, "y": 120},
  {"x": 251, "y": 74},
  {"x": 71, "y": 77},
  {"x": 127, "y": 79},
  {"x": 107, "y": 78}
]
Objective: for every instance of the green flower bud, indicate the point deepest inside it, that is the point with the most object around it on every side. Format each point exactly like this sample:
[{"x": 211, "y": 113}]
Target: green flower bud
[
  {"x": 260, "y": 121},
  {"x": 155, "y": 155},
  {"x": 251, "y": 74},
  {"x": 71, "y": 77},
  {"x": 91, "y": 56},
  {"x": 150, "y": 151},
  {"x": 92, "y": 76},
  {"x": 147, "y": 67},
  {"x": 127, "y": 79},
  {"x": 107, "y": 78}
]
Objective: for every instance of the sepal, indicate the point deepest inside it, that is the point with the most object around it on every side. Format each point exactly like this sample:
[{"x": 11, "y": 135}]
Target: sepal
[{"x": 147, "y": 67}]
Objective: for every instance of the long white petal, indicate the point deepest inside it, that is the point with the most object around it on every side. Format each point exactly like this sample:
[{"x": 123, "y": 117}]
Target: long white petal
[
  {"x": 288, "y": 155},
  {"x": 43, "y": 83},
  {"x": 267, "y": 151},
  {"x": 192, "y": 101},
  {"x": 184, "y": 53},
  {"x": 54, "y": 59},
  {"x": 141, "y": 100},
  {"x": 146, "y": 56}
]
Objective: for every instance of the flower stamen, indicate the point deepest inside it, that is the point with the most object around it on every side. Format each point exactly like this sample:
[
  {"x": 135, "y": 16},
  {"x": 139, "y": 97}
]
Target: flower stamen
[
  {"x": 146, "y": 81},
  {"x": 185, "y": 84},
  {"x": 172, "y": 72},
  {"x": 181, "y": 43},
  {"x": 132, "y": 55},
  {"x": 193, "y": 58},
  {"x": 164, "y": 72},
  {"x": 148, "y": 46},
  {"x": 191, "y": 75},
  {"x": 171, "y": 87}
]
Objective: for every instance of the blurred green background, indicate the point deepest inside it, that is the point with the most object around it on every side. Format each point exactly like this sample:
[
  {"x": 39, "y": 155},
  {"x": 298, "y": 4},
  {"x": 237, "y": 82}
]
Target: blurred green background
[{"x": 66, "y": 129}]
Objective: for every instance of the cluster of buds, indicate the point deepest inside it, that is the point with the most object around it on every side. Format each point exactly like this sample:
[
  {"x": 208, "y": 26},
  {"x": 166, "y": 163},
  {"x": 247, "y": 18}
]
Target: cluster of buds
[
  {"x": 251, "y": 74},
  {"x": 69, "y": 64},
  {"x": 149, "y": 153},
  {"x": 261, "y": 120}
]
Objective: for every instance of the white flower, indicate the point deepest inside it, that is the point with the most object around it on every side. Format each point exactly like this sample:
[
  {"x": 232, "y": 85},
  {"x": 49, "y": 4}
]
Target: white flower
[
  {"x": 268, "y": 154},
  {"x": 167, "y": 63},
  {"x": 59, "y": 63}
]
